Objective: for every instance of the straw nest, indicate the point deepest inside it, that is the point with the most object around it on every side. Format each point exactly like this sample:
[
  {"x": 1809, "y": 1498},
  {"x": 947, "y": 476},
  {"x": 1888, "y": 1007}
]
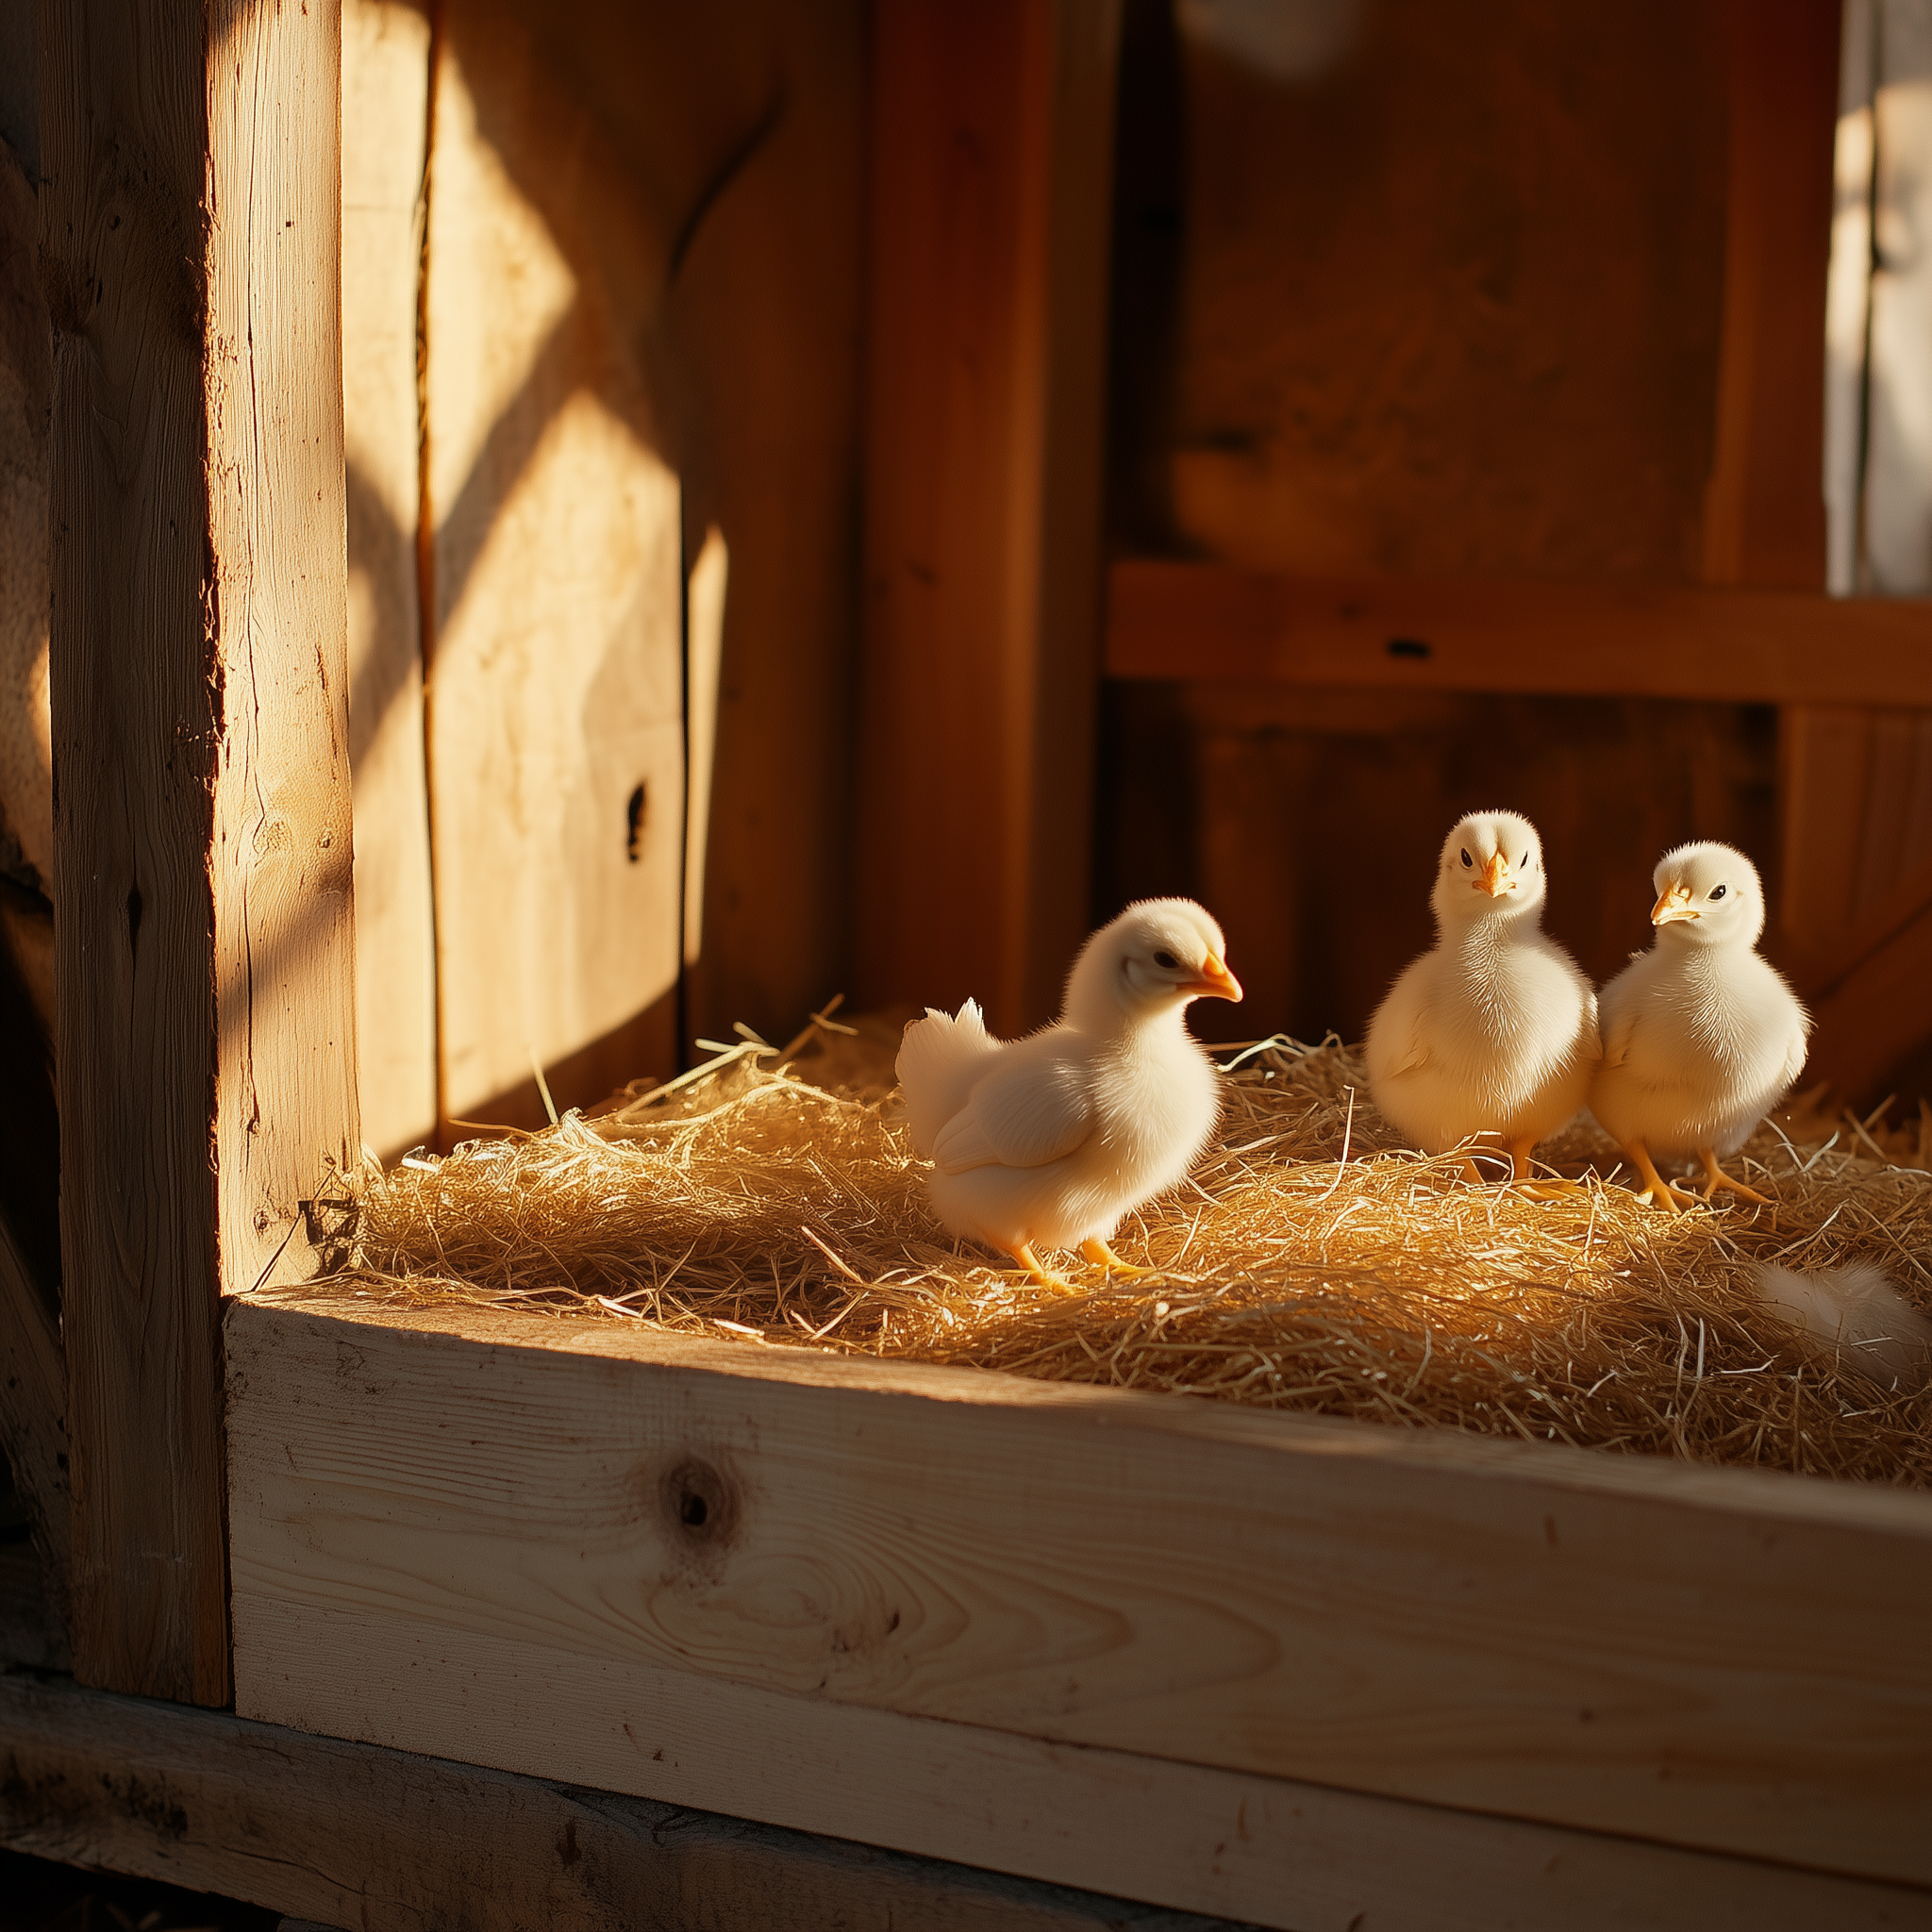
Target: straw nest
[{"x": 1309, "y": 1264}]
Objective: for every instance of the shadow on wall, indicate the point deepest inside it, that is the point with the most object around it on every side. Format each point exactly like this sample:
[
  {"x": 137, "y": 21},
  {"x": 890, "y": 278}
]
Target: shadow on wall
[{"x": 642, "y": 325}]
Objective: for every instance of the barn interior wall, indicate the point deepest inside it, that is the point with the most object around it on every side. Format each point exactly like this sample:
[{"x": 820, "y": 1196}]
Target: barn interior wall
[
  {"x": 1454, "y": 298},
  {"x": 639, "y": 228}
]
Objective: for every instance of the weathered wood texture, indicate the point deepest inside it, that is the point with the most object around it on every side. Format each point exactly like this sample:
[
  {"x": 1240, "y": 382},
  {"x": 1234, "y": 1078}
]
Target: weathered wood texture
[
  {"x": 555, "y": 752},
  {"x": 385, "y": 102},
  {"x": 352, "y": 1835},
  {"x": 206, "y": 1029},
  {"x": 1452, "y": 304},
  {"x": 1202, "y": 621},
  {"x": 748, "y": 1579},
  {"x": 992, "y": 146}
]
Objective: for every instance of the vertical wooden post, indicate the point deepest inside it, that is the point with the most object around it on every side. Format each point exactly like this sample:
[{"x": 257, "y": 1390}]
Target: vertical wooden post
[
  {"x": 992, "y": 137},
  {"x": 192, "y": 220}
]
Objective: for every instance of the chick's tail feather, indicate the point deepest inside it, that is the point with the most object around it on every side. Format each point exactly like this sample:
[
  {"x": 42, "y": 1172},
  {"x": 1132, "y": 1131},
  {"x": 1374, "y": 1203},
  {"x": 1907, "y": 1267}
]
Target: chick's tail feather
[
  {"x": 940, "y": 1059},
  {"x": 1858, "y": 1311}
]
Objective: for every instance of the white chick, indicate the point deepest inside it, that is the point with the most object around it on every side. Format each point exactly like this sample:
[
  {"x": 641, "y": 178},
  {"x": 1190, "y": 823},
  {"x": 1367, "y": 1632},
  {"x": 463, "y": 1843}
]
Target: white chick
[
  {"x": 1492, "y": 1032},
  {"x": 1701, "y": 1038},
  {"x": 1048, "y": 1140}
]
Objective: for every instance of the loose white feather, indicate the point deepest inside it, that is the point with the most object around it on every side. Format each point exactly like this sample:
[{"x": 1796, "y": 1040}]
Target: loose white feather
[{"x": 1858, "y": 1311}]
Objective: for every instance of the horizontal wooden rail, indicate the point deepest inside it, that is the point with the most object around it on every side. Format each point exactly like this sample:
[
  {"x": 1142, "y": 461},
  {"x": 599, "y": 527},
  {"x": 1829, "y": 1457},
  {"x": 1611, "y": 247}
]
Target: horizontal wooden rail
[
  {"x": 1185, "y": 621},
  {"x": 1109, "y": 1639},
  {"x": 354, "y": 1835}
]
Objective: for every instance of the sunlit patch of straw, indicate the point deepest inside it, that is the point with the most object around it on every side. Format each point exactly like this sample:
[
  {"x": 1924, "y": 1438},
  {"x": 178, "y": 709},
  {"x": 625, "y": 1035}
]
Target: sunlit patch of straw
[{"x": 1308, "y": 1265}]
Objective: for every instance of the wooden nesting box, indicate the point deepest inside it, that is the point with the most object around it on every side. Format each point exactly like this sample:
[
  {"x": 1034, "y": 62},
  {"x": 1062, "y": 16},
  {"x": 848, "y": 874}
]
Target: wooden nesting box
[{"x": 455, "y": 1619}]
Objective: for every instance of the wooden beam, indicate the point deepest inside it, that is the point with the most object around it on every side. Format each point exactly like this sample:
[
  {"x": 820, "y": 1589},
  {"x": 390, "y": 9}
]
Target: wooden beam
[
  {"x": 1209, "y": 620},
  {"x": 353, "y": 1835},
  {"x": 206, "y": 1018},
  {"x": 992, "y": 156},
  {"x": 1764, "y": 508},
  {"x": 853, "y": 1597}
]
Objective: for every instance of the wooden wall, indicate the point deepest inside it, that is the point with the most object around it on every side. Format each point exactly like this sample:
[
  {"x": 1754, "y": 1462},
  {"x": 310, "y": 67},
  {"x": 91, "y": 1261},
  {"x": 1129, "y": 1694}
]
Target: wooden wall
[
  {"x": 1503, "y": 292},
  {"x": 626, "y": 244}
]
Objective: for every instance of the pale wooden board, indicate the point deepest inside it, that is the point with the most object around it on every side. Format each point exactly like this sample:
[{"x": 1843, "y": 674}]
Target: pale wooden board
[
  {"x": 384, "y": 94},
  {"x": 1711, "y": 1657},
  {"x": 205, "y": 1019},
  {"x": 282, "y": 860},
  {"x": 367, "y": 1838},
  {"x": 1171, "y": 620},
  {"x": 556, "y": 668}
]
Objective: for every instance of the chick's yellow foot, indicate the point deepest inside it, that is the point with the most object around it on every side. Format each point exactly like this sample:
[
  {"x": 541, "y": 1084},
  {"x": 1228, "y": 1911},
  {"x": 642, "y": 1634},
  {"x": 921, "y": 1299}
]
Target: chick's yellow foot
[
  {"x": 1654, "y": 1190},
  {"x": 1521, "y": 1180},
  {"x": 1042, "y": 1277},
  {"x": 1715, "y": 1177},
  {"x": 1104, "y": 1256}
]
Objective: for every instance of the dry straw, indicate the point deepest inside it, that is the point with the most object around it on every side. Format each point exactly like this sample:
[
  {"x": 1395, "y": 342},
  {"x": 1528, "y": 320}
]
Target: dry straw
[{"x": 1309, "y": 1264}]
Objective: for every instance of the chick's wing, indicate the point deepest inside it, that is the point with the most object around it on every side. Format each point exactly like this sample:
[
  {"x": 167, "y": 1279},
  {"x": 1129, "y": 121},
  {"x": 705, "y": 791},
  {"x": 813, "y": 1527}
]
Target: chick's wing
[{"x": 1023, "y": 1115}]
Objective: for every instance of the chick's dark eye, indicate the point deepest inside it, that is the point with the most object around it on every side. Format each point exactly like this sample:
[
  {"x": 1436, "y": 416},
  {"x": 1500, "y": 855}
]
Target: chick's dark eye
[
  {"x": 1466, "y": 859},
  {"x": 1717, "y": 892},
  {"x": 1166, "y": 960}
]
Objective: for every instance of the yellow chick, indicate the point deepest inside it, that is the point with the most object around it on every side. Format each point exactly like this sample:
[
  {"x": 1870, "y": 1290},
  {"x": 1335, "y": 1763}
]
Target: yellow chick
[
  {"x": 1047, "y": 1141},
  {"x": 1701, "y": 1037},
  {"x": 1493, "y": 1031}
]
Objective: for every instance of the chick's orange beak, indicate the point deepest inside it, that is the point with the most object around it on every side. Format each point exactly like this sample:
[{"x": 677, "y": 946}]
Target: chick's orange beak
[
  {"x": 1495, "y": 878},
  {"x": 1215, "y": 983},
  {"x": 1674, "y": 902}
]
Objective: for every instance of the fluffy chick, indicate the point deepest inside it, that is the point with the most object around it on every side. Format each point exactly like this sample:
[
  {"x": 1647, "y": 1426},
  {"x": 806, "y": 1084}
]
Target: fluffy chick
[
  {"x": 1701, "y": 1037},
  {"x": 1049, "y": 1140},
  {"x": 1493, "y": 1031}
]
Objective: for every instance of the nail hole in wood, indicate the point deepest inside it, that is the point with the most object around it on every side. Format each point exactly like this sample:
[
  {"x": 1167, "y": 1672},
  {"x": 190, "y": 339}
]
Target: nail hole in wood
[
  {"x": 634, "y": 823},
  {"x": 1409, "y": 647}
]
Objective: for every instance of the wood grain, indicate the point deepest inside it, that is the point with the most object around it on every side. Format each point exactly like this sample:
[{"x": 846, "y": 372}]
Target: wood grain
[
  {"x": 1707, "y": 1658},
  {"x": 1451, "y": 298},
  {"x": 1764, "y": 506},
  {"x": 992, "y": 147},
  {"x": 556, "y": 753},
  {"x": 384, "y": 97},
  {"x": 1202, "y": 621},
  {"x": 353, "y": 1835},
  {"x": 206, "y": 1024}
]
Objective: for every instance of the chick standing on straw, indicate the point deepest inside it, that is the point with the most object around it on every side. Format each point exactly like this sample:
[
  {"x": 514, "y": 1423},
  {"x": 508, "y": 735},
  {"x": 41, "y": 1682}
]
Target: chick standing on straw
[
  {"x": 1052, "y": 1139},
  {"x": 1701, "y": 1037}
]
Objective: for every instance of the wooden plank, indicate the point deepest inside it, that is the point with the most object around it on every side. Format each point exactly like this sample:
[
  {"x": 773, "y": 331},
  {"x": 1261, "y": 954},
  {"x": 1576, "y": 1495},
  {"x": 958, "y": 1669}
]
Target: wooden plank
[
  {"x": 1200, "y": 621},
  {"x": 557, "y": 753},
  {"x": 1764, "y": 509},
  {"x": 385, "y": 100},
  {"x": 353, "y": 1835},
  {"x": 501, "y": 1510},
  {"x": 1870, "y": 1002},
  {"x": 205, "y": 1026},
  {"x": 33, "y": 1416},
  {"x": 991, "y": 142},
  {"x": 1825, "y": 755}
]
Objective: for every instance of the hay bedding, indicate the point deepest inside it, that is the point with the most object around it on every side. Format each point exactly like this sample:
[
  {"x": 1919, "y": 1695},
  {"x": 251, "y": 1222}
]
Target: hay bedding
[{"x": 1310, "y": 1265}]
